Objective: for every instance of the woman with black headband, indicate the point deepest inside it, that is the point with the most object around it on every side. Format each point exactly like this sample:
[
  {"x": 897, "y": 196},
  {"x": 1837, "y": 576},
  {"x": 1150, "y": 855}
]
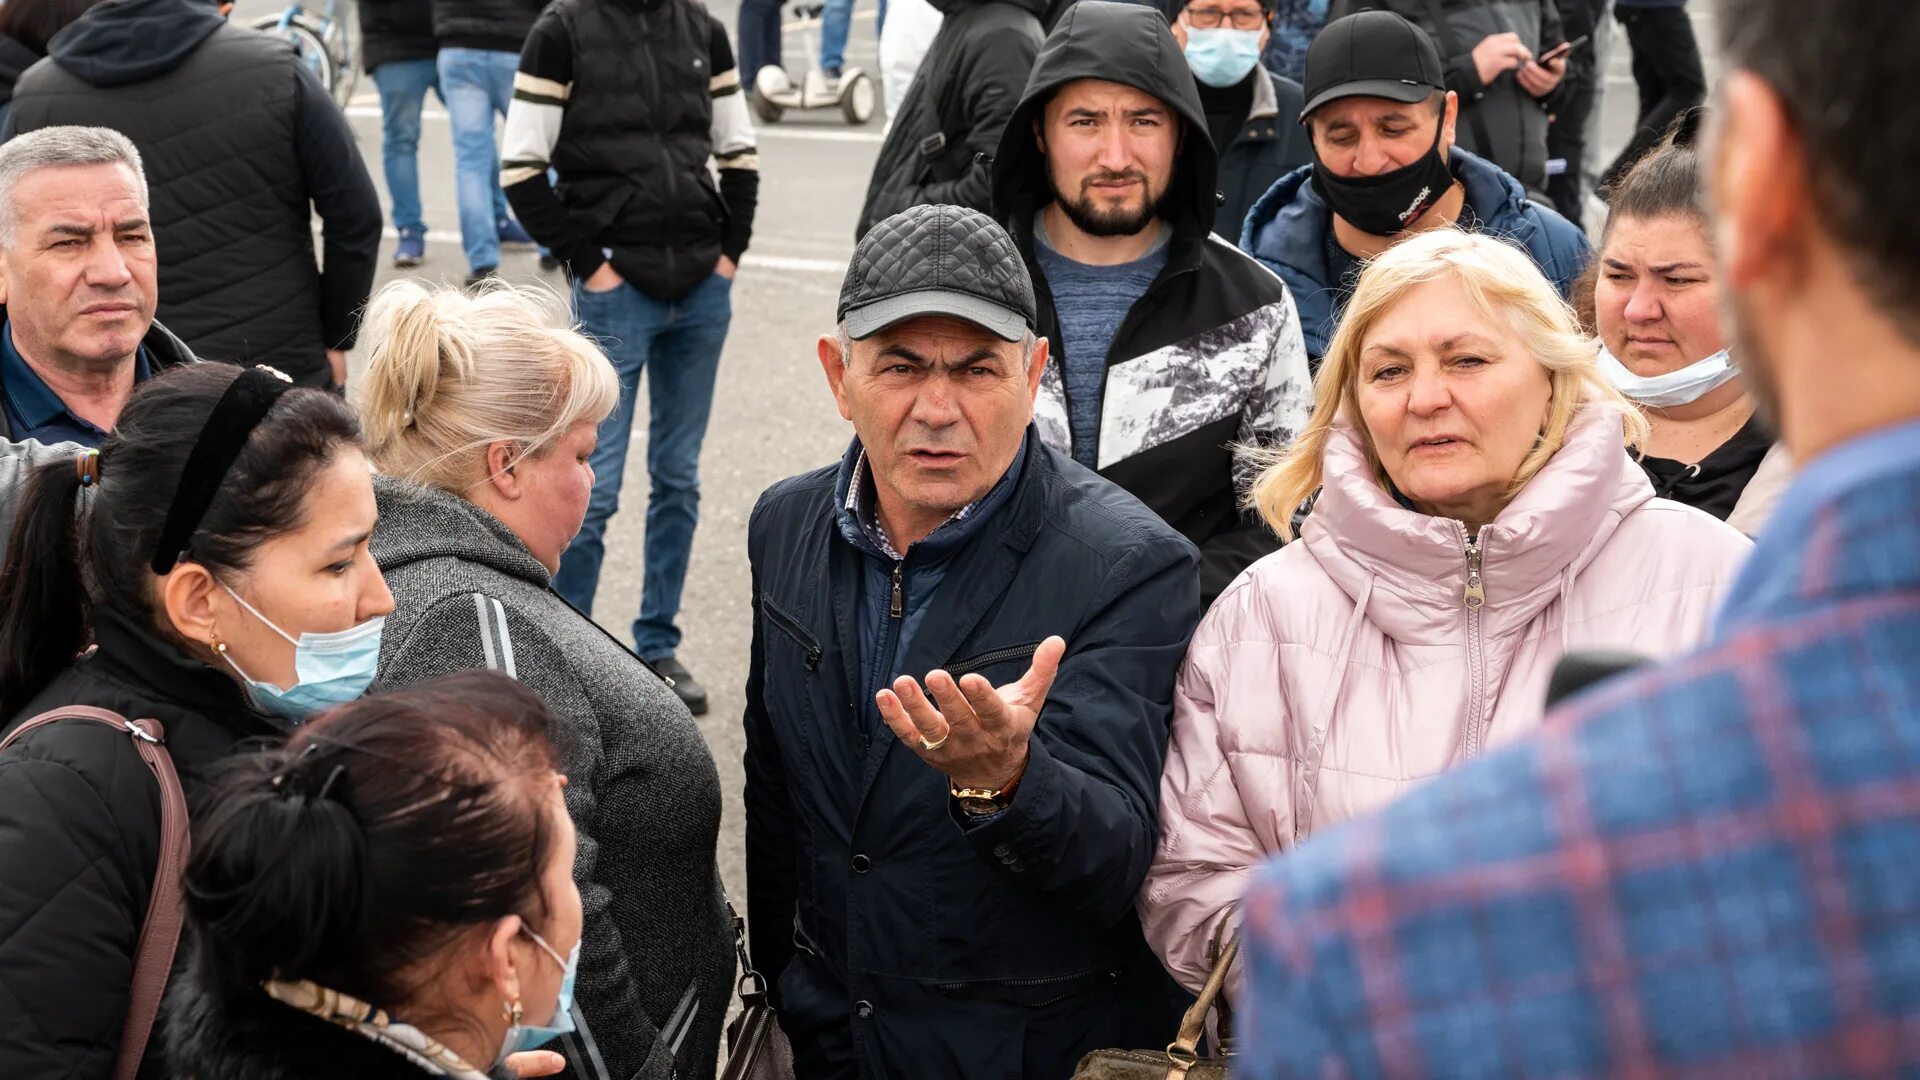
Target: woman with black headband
[{"x": 223, "y": 579}]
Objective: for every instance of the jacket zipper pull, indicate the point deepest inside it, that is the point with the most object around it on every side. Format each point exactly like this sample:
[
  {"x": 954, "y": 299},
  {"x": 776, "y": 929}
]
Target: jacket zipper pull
[
  {"x": 1476, "y": 595},
  {"x": 899, "y": 606}
]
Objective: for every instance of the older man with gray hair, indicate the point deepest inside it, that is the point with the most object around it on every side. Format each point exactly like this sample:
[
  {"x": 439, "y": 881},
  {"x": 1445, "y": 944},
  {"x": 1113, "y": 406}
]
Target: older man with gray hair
[
  {"x": 77, "y": 285},
  {"x": 962, "y": 671}
]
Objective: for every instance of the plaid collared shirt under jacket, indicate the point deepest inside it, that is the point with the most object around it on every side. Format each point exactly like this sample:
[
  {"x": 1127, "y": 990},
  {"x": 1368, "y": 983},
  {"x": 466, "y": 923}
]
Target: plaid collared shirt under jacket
[{"x": 1711, "y": 869}]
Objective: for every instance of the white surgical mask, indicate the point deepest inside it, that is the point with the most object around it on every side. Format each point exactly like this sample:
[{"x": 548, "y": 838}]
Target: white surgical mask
[{"x": 1682, "y": 387}]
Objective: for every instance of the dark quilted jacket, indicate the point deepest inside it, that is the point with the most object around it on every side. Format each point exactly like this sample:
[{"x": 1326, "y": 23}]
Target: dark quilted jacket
[
  {"x": 240, "y": 146},
  {"x": 79, "y": 840},
  {"x": 500, "y": 25}
]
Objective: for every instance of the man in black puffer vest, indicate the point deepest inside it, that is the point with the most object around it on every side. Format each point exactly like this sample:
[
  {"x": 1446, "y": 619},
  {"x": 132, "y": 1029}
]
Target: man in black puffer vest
[
  {"x": 242, "y": 145},
  {"x": 627, "y": 101}
]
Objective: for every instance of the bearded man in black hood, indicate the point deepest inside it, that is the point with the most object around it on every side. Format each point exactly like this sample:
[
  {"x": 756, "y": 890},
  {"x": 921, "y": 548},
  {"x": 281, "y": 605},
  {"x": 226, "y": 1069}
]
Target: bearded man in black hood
[{"x": 1173, "y": 355}]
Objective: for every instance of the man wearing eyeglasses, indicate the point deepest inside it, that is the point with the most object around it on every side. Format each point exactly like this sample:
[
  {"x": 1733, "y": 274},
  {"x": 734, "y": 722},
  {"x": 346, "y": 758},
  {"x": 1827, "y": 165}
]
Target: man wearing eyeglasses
[
  {"x": 1249, "y": 108},
  {"x": 1172, "y": 353}
]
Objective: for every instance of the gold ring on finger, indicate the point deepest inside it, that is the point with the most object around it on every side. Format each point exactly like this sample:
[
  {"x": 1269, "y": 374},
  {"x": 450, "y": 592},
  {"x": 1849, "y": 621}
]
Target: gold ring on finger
[{"x": 925, "y": 745}]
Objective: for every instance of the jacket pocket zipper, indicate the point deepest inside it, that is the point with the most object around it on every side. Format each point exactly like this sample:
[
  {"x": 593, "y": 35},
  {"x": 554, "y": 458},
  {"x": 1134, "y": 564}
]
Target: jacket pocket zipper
[
  {"x": 795, "y": 631},
  {"x": 986, "y": 659},
  {"x": 1086, "y": 977}
]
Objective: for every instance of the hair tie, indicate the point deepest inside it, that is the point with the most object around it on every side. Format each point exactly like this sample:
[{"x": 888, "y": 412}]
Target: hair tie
[
  {"x": 87, "y": 464},
  {"x": 246, "y": 402}
]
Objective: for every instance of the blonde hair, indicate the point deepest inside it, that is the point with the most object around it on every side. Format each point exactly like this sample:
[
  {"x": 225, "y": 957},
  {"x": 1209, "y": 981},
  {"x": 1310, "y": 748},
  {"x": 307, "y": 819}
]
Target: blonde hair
[
  {"x": 1503, "y": 282},
  {"x": 451, "y": 374}
]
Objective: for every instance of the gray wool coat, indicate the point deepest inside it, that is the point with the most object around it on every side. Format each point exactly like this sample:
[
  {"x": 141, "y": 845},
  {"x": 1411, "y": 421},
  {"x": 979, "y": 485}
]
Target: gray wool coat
[{"x": 641, "y": 784}]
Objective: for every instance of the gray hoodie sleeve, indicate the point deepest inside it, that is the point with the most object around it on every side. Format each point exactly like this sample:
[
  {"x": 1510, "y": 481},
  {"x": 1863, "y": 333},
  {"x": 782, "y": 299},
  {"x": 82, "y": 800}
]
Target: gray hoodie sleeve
[{"x": 17, "y": 462}]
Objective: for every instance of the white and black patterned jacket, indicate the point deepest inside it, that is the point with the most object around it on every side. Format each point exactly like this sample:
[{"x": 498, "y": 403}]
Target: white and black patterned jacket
[{"x": 1210, "y": 360}]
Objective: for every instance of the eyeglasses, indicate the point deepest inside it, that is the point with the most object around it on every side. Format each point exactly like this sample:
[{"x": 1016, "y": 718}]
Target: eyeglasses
[{"x": 1210, "y": 18}]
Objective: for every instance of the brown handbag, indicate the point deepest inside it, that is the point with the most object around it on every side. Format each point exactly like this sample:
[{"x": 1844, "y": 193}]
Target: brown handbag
[
  {"x": 1181, "y": 1059},
  {"x": 756, "y": 1047},
  {"x": 160, "y": 933}
]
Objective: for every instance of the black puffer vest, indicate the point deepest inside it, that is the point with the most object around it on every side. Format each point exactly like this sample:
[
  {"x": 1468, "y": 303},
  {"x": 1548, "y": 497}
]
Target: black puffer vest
[
  {"x": 396, "y": 30},
  {"x": 500, "y": 25},
  {"x": 238, "y": 277},
  {"x": 633, "y": 149}
]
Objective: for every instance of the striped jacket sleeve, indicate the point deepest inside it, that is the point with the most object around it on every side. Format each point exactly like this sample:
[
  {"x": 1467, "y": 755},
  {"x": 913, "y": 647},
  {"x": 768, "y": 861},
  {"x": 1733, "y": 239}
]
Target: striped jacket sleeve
[
  {"x": 541, "y": 87},
  {"x": 734, "y": 150}
]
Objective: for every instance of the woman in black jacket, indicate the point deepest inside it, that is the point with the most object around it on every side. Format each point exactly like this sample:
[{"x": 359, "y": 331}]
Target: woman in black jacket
[
  {"x": 388, "y": 897},
  {"x": 228, "y": 592}
]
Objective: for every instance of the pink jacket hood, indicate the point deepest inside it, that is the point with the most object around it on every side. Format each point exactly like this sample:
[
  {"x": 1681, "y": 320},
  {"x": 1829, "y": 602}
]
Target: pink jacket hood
[
  {"x": 1348, "y": 666},
  {"x": 1415, "y": 566}
]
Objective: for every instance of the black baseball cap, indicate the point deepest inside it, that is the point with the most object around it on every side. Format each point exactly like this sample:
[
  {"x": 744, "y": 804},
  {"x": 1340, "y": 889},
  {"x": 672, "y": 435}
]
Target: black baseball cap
[
  {"x": 1372, "y": 54},
  {"x": 937, "y": 260}
]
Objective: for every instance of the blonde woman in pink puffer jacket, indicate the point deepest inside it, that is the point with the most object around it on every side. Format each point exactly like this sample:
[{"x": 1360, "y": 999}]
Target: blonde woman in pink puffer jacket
[{"x": 1478, "y": 517}]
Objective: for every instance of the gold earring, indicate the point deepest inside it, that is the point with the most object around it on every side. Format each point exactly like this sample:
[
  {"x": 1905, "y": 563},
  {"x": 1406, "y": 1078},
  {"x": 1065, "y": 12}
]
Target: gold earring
[
  {"x": 219, "y": 647},
  {"x": 512, "y": 1011}
]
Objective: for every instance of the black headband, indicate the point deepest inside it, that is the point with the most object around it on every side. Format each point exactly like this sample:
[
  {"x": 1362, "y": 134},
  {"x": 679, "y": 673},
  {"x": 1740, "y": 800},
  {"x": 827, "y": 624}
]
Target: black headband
[{"x": 231, "y": 423}]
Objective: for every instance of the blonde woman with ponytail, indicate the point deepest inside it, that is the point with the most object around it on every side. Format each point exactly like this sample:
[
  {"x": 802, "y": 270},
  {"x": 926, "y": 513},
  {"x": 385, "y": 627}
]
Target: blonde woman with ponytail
[
  {"x": 481, "y": 413},
  {"x": 1475, "y": 516}
]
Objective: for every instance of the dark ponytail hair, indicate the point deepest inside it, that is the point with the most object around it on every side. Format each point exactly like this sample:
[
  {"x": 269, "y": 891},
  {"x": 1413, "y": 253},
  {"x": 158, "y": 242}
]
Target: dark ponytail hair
[
  {"x": 1665, "y": 180},
  {"x": 377, "y": 835},
  {"x": 57, "y": 566}
]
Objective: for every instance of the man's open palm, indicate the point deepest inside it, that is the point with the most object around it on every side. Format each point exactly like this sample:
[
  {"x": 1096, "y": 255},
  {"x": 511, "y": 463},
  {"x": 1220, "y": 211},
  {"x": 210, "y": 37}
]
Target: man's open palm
[{"x": 970, "y": 730}]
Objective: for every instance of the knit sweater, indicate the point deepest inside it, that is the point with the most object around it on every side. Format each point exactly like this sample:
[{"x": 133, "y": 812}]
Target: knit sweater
[{"x": 641, "y": 783}]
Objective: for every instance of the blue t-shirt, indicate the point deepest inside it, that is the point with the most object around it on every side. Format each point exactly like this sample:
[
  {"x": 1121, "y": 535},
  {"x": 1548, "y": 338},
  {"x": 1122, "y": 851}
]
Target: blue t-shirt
[
  {"x": 35, "y": 412},
  {"x": 1091, "y": 302}
]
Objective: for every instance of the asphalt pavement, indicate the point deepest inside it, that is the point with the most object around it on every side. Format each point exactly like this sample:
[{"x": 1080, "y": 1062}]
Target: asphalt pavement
[{"x": 773, "y": 416}]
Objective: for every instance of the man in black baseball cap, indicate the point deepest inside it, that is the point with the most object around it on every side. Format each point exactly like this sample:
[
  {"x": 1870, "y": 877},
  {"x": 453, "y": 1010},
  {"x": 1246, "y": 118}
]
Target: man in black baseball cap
[
  {"x": 1385, "y": 166},
  {"x": 931, "y": 861}
]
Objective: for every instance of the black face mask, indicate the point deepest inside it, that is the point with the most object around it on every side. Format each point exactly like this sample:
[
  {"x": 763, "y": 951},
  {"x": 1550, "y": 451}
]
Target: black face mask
[{"x": 1385, "y": 205}]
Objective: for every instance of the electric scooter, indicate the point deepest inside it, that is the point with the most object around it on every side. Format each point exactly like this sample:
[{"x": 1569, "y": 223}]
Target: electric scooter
[{"x": 774, "y": 91}]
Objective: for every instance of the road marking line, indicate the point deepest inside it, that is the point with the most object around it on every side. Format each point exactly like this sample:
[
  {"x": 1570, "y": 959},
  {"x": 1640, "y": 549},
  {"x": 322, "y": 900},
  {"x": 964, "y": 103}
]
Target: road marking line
[
  {"x": 750, "y": 260},
  {"x": 775, "y": 131},
  {"x": 867, "y": 15}
]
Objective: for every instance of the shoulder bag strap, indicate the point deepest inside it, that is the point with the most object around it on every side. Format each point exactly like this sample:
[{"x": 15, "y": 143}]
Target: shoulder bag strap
[
  {"x": 160, "y": 932},
  {"x": 1183, "y": 1052}
]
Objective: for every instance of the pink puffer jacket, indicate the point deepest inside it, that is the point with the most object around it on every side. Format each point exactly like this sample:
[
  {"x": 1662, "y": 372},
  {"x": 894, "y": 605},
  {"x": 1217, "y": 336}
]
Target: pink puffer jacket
[{"x": 1348, "y": 666}]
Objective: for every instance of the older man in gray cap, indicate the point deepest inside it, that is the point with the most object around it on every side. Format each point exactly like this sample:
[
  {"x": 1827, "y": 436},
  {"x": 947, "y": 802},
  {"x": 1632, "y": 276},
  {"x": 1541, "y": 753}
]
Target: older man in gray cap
[{"x": 964, "y": 648}]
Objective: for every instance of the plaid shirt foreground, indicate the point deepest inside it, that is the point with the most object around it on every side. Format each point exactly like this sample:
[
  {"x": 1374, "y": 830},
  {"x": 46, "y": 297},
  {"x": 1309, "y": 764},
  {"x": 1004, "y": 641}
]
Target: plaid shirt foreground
[{"x": 1712, "y": 869}]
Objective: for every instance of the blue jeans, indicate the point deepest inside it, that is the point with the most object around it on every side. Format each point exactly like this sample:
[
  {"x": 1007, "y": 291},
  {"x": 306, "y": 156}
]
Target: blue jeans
[
  {"x": 476, "y": 84},
  {"x": 403, "y": 88},
  {"x": 759, "y": 38},
  {"x": 677, "y": 345},
  {"x": 835, "y": 23}
]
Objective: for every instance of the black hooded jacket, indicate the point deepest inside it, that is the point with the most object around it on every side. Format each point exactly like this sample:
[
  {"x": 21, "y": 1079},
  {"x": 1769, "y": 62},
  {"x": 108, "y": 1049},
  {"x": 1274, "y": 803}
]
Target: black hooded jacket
[
  {"x": 1210, "y": 358},
  {"x": 232, "y": 201},
  {"x": 941, "y": 145}
]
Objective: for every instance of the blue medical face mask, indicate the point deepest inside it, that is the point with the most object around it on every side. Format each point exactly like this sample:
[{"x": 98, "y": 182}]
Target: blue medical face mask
[
  {"x": 1682, "y": 387},
  {"x": 524, "y": 1037},
  {"x": 332, "y": 669},
  {"x": 1221, "y": 57}
]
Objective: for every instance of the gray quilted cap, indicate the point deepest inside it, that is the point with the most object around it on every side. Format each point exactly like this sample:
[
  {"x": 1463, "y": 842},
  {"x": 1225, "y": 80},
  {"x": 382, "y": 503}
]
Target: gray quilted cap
[{"x": 937, "y": 260}]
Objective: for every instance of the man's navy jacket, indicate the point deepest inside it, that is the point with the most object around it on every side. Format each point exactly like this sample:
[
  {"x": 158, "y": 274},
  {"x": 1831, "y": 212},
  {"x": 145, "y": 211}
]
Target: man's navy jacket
[{"x": 906, "y": 939}]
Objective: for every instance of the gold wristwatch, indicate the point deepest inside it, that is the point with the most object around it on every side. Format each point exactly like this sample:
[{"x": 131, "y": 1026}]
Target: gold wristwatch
[{"x": 981, "y": 802}]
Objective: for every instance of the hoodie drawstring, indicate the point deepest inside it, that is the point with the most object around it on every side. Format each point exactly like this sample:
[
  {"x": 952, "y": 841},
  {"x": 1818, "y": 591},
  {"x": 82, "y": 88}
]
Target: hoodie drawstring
[{"x": 1309, "y": 784}]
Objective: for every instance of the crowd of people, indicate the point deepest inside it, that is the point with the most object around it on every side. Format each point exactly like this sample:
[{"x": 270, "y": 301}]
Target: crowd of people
[{"x": 1335, "y": 583}]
